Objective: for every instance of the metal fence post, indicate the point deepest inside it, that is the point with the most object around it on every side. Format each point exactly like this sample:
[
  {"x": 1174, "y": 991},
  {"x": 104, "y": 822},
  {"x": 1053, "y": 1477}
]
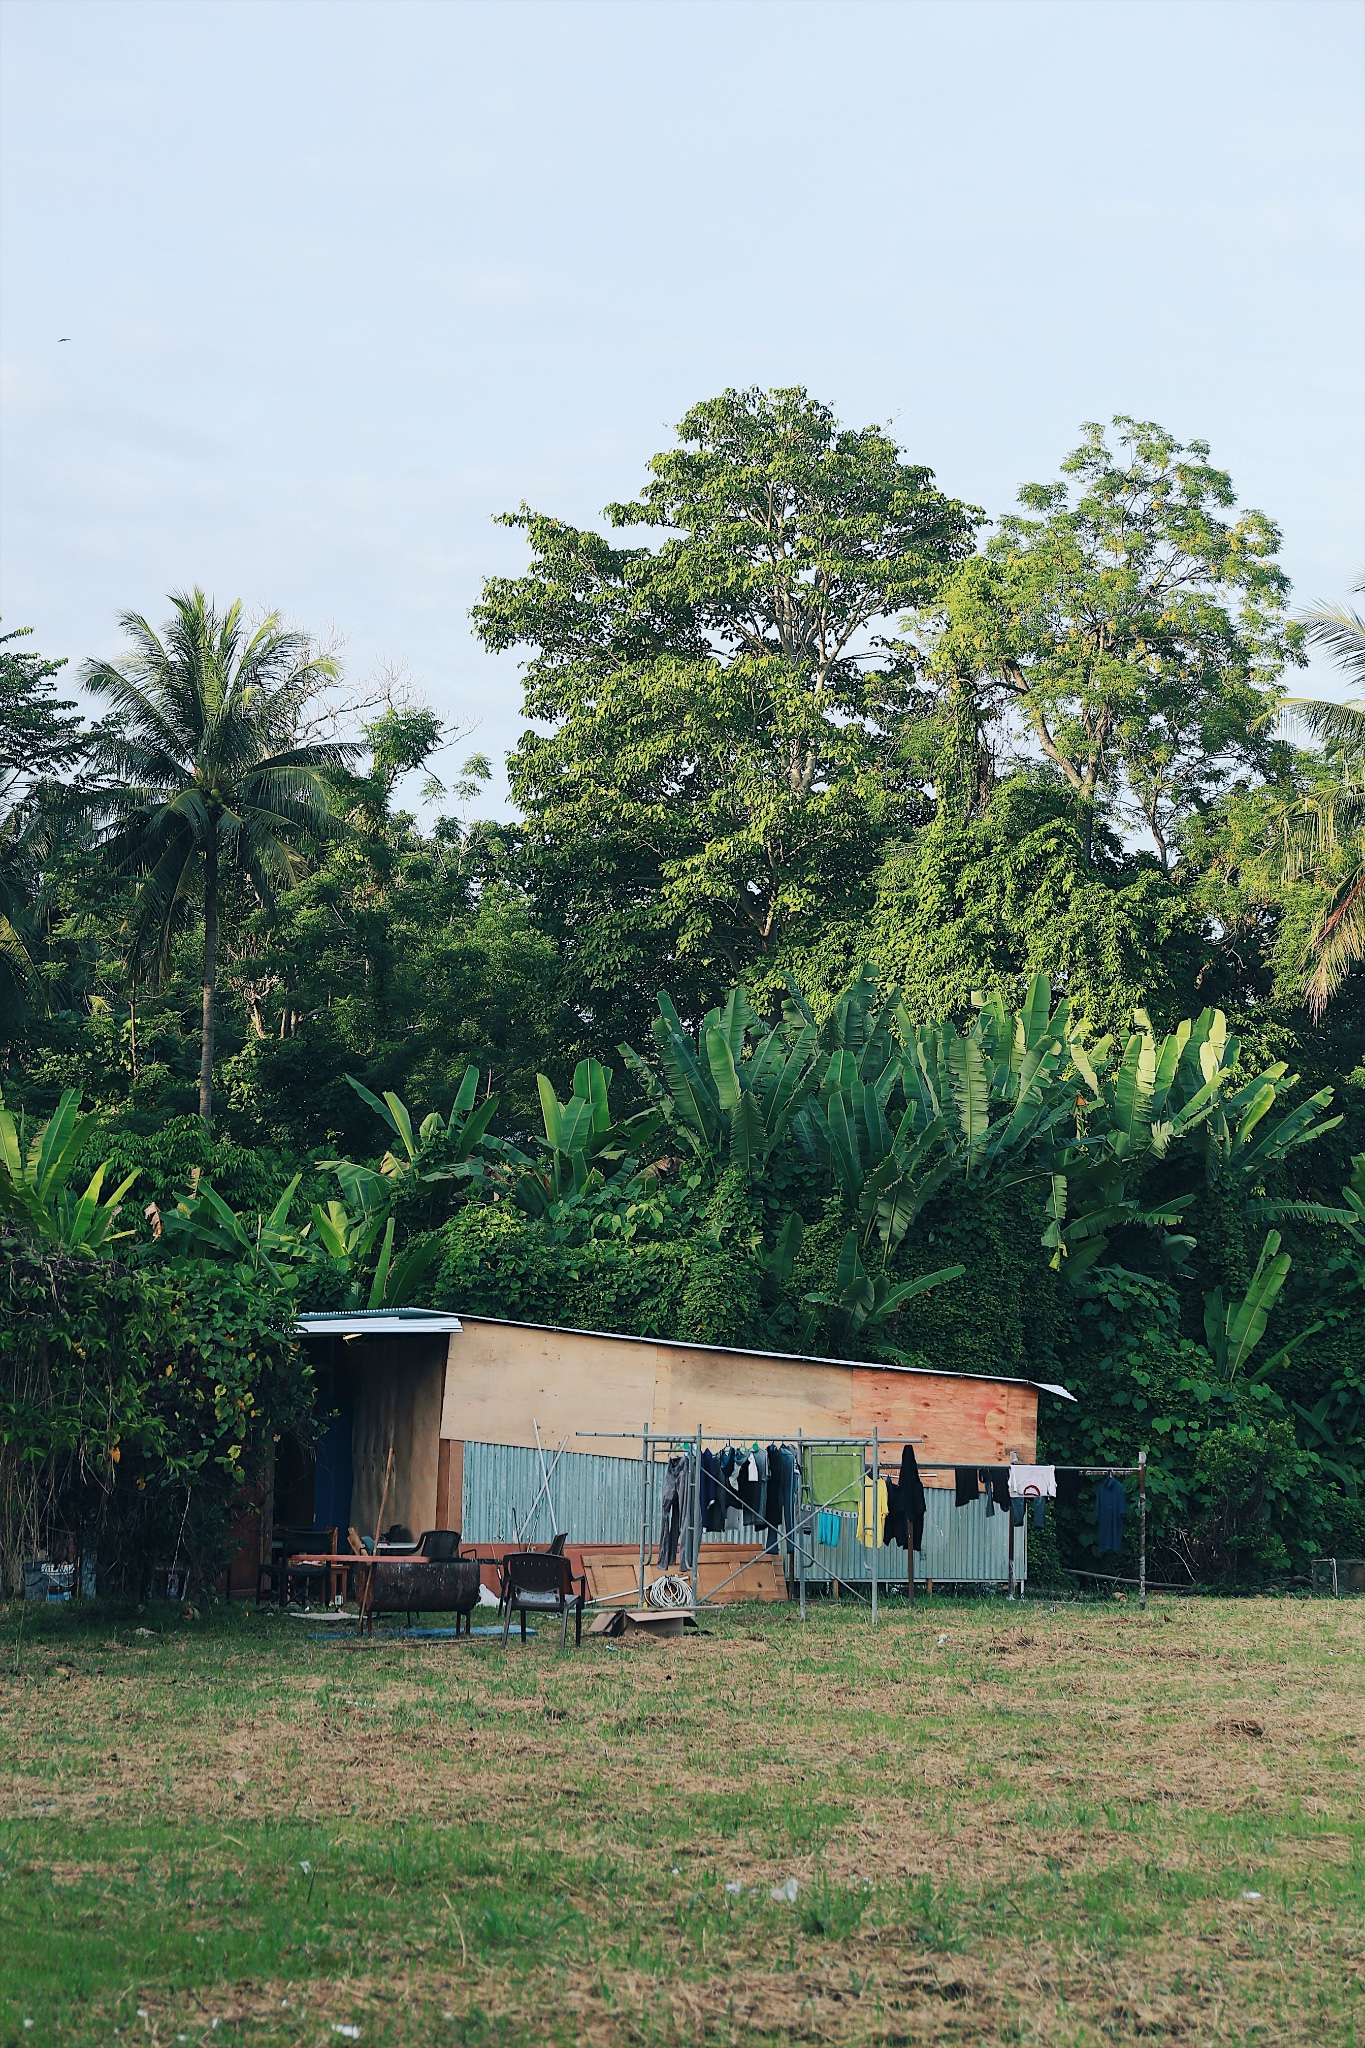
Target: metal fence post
[{"x": 1142, "y": 1528}]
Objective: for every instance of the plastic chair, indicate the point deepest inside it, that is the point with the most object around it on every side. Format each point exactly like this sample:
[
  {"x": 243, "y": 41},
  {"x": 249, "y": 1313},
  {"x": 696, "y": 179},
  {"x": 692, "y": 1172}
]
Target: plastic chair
[{"x": 534, "y": 1582}]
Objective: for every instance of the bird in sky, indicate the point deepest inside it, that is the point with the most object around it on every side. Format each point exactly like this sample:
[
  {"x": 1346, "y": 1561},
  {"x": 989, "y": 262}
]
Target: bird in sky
[{"x": 63, "y": 337}]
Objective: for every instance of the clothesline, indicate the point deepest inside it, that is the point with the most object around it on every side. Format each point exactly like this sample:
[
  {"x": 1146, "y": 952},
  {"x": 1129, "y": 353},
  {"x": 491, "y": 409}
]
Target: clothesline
[{"x": 687, "y": 1461}]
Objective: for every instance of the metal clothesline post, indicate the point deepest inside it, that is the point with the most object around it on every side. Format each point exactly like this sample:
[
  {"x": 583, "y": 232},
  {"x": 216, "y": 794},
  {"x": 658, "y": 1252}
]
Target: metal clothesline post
[
  {"x": 649, "y": 1441},
  {"x": 876, "y": 1532},
  {"x": 644, "y": 1508},
  {"x": 696, "y": 1526},
  {"x": 800, "y": 1538}
]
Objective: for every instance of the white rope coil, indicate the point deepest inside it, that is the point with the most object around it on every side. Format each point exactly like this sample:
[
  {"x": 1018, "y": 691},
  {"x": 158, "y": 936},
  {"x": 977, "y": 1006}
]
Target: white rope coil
[{"x": 669, "y": 1591}]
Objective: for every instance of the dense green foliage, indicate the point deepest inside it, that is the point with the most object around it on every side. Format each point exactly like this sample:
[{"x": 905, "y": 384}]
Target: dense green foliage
[
  {"x": 932, "y": 845},
  {"x": 132, "y": 1404}
]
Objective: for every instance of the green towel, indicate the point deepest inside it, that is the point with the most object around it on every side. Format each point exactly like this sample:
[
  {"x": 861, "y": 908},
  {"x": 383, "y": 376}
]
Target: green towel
[{"x": 833, "y": 1477}]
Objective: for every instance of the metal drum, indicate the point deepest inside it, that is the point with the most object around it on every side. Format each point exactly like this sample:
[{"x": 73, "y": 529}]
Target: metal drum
[{"x": 418, "y": 1585}]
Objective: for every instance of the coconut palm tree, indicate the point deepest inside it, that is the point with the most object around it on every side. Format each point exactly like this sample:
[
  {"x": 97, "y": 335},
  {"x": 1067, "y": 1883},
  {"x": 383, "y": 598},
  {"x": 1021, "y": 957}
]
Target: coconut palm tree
[
  {"x": 1324, "y": 833},
  {"x": 204, "y": 774}
]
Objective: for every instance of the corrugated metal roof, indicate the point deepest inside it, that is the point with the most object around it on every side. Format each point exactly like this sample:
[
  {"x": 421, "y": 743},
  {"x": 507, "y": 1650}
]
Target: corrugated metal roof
[{"x": 380, "y": 1322}]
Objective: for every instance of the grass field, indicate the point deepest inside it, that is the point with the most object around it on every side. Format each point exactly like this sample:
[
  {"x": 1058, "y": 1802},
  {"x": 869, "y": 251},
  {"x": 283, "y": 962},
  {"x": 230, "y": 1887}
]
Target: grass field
[{"x": 1048, "y": 1824}]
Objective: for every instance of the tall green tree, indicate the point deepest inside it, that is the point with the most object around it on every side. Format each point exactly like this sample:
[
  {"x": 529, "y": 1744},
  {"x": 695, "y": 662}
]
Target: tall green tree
[
  {"x": 41, "y": 737},
  {"x": 723, "y": 759},
  {"x": 205, "y": 776},
  {"x": 1131, "y": 628},
  {"x": 1324, "y": 832}
]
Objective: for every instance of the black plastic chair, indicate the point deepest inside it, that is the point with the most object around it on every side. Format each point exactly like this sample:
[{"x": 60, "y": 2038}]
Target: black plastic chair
[
  {"x": 535, "y": 1582},
  {"x": 442, "y": 1546}
]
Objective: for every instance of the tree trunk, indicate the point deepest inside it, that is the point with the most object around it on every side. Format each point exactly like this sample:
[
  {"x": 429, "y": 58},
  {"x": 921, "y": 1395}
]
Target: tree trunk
[{"x": 210, "y": 977}]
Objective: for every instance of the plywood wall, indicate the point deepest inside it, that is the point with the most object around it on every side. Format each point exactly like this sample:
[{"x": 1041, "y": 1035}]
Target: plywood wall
[
  {"x": 397, "y": 1403},
  {"x": 503, "y": 1380}
]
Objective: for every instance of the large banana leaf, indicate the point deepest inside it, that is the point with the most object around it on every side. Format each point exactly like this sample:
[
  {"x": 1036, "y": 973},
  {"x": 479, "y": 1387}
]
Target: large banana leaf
[
  {"x": 720, "y": 1059},
  {"x": 971, "y": 1095},
  {"x": 1130, "y": 1098},
  {"x": 591, "y": 1083},
  {"x": 693, "y": 1092},
  {"x": 1232, "y": 1334},
  {"x": 747, "y": 1136},
  {"x": 34, "y": 1176}
]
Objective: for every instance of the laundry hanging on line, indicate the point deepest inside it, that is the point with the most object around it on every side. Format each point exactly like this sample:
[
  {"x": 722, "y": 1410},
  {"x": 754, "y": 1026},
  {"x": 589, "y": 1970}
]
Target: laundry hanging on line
[
  {"x": 906, "y": 1505},
  {"x": 675, "y": 1527},
  {"x": 1034, "y": 1482},
  {"x": 1111, "y": 1511},
  {"x": 871, "y": 1511},
  {"x": 833, "y": 1475}
]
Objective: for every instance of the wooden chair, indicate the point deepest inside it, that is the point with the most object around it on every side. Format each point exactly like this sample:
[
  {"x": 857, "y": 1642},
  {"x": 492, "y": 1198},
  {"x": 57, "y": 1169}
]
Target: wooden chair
[{"x": 537, "y": 1582}]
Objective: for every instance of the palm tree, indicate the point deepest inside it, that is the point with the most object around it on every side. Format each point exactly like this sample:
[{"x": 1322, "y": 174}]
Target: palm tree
[
  {"x": 205, "y": 774},
  {"x": 1325, "y": 831}
]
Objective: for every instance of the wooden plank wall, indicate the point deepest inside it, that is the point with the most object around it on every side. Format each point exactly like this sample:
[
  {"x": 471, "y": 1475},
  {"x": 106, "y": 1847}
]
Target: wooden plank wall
[
  {"x": 397, "y": 1402},
  {"x": 503, "y": 1379}
]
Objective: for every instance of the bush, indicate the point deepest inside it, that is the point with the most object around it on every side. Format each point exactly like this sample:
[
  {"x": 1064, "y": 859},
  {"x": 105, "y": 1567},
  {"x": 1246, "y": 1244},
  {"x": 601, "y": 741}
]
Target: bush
[{"x": 135, "y": 1406}]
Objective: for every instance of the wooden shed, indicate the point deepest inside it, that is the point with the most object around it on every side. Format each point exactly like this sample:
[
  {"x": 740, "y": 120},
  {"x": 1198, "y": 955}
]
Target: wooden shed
[{"x": 429, "y": 1386}]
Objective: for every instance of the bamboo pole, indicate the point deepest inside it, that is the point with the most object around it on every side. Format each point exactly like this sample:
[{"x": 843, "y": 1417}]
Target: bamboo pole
[{"x": 367, "y": 1594}]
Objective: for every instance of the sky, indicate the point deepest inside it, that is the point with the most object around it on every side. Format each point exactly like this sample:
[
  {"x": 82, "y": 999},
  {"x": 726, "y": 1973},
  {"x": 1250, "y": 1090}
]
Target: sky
[{"x": 343, "y": 281}]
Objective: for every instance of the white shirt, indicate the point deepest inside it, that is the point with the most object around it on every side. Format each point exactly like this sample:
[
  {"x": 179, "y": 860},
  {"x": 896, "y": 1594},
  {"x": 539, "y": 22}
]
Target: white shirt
[{"x": 1034, "y": 1482}]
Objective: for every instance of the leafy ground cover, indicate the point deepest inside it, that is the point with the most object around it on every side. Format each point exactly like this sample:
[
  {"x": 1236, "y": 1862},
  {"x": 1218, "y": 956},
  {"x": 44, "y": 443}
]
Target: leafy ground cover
[{"x": 1061, "y": 1824}]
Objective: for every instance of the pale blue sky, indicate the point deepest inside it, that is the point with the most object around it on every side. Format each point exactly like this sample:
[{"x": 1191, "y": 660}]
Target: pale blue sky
[{"x": 344, "y": 280}]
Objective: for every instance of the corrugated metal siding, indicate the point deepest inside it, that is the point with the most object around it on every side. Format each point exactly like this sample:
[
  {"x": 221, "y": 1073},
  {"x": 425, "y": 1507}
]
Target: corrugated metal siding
[
  {"x": 962, "y": 1546},
  {"x": 597, "y": 1500}
]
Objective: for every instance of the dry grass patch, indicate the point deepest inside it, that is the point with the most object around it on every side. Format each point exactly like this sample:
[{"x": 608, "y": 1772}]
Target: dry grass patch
[{"x": 1040, "y": 1830}]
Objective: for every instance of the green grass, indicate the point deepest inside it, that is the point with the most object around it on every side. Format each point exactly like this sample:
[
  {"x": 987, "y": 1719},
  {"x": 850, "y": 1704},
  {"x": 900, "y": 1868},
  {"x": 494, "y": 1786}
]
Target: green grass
[{"x": 1039, "y": 1830}]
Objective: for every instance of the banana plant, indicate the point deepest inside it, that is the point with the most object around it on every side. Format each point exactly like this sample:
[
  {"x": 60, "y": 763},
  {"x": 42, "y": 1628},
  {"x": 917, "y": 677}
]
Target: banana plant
[
  {"x": 861, "y": 1304},
  {"x": 1232, "y": 1333},
  {"x": 203, "y": 1226},
  {"x": 396, "y": 1285},
  {"x": 35, "y": 1170},
  {"x": 979, "y": 1105},
  {"x": 347, "y": 1235},
  {"x": 582, "y": 1141},
  {"x": 440, "y": 1148},
  {"x": 1156, "y": 1095},
  {"x": 732, "y": 1104}
]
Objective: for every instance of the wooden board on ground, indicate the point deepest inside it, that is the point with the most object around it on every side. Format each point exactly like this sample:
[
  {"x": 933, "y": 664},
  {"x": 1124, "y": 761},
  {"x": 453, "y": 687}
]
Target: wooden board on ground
[{"x": 729, "y": 1572}]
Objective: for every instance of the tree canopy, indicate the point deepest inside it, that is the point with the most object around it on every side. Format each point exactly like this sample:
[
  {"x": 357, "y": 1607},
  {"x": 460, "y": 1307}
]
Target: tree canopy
[
  {"x": 913, "y": 942},
  {"x": 726, "y": 754}
]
